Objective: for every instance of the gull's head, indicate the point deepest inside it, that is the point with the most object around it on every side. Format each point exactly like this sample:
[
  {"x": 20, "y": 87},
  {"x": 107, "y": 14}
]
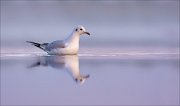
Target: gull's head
[{"x": 81, "y": 30}]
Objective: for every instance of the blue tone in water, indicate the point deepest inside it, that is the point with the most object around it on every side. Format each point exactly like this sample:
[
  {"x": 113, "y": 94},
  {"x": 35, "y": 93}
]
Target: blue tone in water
[
  {"x": 126, "y": 79},
  {"x": 131, "y": 57}
]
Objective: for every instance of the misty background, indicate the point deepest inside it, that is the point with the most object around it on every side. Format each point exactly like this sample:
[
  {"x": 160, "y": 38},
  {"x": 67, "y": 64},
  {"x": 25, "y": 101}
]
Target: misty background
[{"x": 111, "y": 23}]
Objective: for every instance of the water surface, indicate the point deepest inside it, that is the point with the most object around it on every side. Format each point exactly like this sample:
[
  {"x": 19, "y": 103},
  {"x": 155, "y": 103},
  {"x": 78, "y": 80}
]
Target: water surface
[
  {"x": 131, "y": 57},
  {"x": 105, "y": 77}
]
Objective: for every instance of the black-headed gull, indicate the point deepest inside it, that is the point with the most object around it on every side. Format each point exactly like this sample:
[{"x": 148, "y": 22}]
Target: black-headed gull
[{"x": 69, "y": 46}]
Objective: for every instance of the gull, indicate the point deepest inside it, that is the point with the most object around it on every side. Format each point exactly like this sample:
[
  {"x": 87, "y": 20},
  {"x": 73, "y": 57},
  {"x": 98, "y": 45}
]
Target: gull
[{"x": 69, "y": 46}]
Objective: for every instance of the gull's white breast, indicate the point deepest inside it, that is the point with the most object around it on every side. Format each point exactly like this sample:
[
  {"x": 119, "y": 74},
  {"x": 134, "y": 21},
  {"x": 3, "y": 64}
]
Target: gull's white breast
[{"x": 71, "y": 48}]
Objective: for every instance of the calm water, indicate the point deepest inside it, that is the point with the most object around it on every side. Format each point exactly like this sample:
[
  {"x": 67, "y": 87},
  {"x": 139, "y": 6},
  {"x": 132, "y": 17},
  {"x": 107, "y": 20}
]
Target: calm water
[
  {"x": 131, "y": 57},
  {"x": 103, "y": 77}
]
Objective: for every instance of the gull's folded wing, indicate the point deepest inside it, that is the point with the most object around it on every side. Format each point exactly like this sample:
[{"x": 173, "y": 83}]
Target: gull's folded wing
[{"x": 56, "y": 44}]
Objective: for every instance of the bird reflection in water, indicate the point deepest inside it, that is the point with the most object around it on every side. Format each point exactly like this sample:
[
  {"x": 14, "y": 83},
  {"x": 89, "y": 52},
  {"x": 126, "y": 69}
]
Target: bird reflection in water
[{"x": 68, "y": 62}]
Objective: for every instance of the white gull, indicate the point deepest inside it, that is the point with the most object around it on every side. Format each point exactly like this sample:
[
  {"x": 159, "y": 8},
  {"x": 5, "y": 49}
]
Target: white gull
[{"x": 69, "y": 46}]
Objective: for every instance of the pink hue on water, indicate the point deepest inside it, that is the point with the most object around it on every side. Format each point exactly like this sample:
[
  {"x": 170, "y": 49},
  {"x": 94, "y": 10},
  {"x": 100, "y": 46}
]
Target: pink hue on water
[
  {"x": 131, "y": 57},
  {"x": 117, "y": 77}
]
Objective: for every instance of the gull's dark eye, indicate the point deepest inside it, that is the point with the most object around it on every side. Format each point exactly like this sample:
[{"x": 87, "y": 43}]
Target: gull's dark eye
[
  {"x": 76, "y": 29},
  {"x": 81, "y": 29}
]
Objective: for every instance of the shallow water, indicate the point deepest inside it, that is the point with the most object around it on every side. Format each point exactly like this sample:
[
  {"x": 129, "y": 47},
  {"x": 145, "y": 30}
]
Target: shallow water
[
  {"x": 131, "y": 57},
  {"x": 105, "y": 77}
]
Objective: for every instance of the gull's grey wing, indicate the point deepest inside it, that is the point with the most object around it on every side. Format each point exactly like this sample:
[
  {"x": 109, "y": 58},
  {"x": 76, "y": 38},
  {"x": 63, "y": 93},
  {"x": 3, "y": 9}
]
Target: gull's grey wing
[{"x": 56, "y": 44}]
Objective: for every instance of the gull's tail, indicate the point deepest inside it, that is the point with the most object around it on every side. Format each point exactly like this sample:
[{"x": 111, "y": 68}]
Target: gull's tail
[{"x": 41, "y": 46}]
